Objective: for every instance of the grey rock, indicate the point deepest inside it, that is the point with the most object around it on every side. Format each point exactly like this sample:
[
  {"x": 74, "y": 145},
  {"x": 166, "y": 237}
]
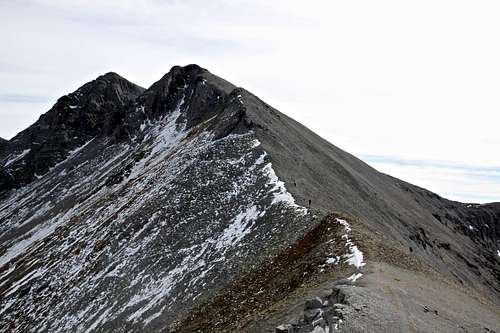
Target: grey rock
[
  {"x": 284, "y": 329},
  {"x": 313, "y": 303},
  {"x": 319, "y": 322},
  {"x": 344, "y": 282},
  {"x": 311, "y": 314}
]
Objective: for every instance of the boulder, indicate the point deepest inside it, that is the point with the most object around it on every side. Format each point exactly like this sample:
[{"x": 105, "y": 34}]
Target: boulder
[
  {"x": 314, "y": 303},
  {"x": 311, "y": 314},
  {"x": 284, "y": 329}
]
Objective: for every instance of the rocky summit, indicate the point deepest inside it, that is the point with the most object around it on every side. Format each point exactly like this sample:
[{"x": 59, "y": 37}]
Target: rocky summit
[{"x": 193, "y": 206}]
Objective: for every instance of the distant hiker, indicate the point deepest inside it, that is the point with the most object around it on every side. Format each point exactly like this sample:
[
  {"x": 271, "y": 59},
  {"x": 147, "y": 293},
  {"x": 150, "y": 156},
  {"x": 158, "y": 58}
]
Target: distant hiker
[
  {"x": 309, "y": 203},
  {"x": 294, "y": 183}
]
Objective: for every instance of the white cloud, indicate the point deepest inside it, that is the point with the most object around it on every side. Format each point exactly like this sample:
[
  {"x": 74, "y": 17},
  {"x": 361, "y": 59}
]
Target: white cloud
[
  {"x": 414, "y": 80},
  {"x": 467, "y": 183}
]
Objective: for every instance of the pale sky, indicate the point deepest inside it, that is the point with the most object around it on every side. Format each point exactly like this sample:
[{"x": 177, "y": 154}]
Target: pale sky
[{"x": 411, "y": 87}]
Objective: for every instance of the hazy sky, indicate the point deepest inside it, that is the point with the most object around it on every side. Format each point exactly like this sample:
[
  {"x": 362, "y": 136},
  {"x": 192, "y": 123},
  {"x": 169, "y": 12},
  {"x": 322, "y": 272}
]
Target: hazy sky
[{"x": 411, "y": 87}]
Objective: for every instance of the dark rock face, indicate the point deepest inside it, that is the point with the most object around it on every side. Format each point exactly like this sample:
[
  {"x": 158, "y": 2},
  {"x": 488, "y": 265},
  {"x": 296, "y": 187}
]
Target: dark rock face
[
  {"x": 96, "y": 109},
  {"x": 205, "y": 95},
  {"x": 122, "y": 209},
  {"x": 3, "y": 145}
]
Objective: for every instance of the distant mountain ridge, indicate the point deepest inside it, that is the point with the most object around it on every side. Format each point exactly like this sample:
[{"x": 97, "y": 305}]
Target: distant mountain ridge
[{"x": 132, "y": 209}]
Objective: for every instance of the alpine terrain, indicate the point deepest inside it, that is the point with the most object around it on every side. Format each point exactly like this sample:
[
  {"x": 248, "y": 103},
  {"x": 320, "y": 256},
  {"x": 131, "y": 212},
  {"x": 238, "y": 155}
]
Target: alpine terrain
[{"x": 193, "y": 206}]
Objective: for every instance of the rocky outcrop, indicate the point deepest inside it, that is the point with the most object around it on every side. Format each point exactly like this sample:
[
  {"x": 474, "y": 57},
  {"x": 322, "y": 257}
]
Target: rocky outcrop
[
  {"x": 204, "y": 95},
  {"x": 320, "y": 315},
  {"x": 3, "y": 145},
  {"x": 97, "y": 109}
]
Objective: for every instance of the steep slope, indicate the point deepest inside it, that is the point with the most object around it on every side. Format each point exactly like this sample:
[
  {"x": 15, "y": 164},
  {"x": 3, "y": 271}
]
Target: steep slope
[
  {"x": 124, "y": 236},
  {"x": 195, "y": 206},
  {"x": 95, "y": 109},
  {"x": 458, "y": 239},
  {"x": 3, "y": 144}
]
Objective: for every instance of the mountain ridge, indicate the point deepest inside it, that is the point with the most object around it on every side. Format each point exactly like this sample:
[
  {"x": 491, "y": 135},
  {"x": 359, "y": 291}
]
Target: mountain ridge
[{"x": 195, "y": 169}]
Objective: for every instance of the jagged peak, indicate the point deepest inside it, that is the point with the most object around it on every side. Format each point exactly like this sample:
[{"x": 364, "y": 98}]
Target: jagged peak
[
  {"x": 112, "y": 75},
  {"x": 190, "y": 74},
  {"x": 107, "y": 106},
  {"x": 191, "y": 68},
  {"x": 107, "y": 81},
  {"x": 95, "y": 109},
  {"x": 109, "y": 87},
  {"x": 193, "y": 85},
  {"x": 179, "y": 73}
]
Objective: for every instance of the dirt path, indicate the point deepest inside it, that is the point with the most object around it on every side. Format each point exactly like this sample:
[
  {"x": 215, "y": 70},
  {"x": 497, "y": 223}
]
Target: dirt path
[{"x": 393, "y": 299}]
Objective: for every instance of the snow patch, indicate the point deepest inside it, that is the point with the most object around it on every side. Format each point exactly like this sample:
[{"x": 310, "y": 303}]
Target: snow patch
[
  {"x": 168, "y": 135},
  {"x": 279, "y": 190},
  {"x": 28, "y": 277},
  {"x": 239, "y": 228},
  {"x": 333, "y": 260},
  {"x": 21, "y": 246},
  {"x": 319, "y": 329},
  {"x": 71, "y": 154},
  {"x": 354, "y": 277},
  {"x": 75, "y": 151},
  {"x": 98, "y": 321},
  {"x": 354, "y": 256},
  {"x": 17, "y": 157}
]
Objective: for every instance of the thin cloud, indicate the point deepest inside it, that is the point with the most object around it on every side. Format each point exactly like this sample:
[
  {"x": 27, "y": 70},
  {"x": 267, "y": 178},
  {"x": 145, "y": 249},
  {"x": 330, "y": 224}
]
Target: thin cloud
[
  {"x": 15, "y": 98},
  {"x": 477, "y": 171},
  {"x": 456, "y": 182}
]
